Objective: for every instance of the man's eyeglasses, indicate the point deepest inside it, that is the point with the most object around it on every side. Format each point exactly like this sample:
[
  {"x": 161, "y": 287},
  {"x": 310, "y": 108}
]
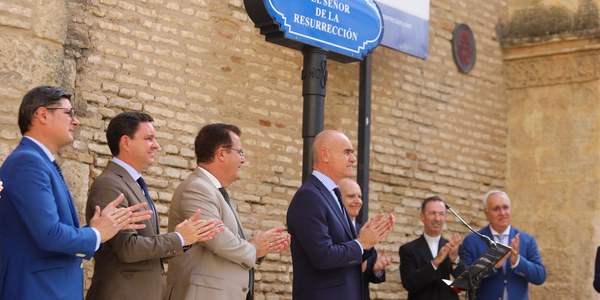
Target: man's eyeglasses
[
  {"x": 239, "y": 151},
  {"x": 433, "y": 213},
  {"x": 68, "y": 111}
]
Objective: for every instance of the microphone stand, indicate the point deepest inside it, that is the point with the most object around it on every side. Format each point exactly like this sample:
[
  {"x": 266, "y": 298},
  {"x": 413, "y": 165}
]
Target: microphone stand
[
  {"x": 473, "y": 281},
  {"x": 485, "y": 238}
]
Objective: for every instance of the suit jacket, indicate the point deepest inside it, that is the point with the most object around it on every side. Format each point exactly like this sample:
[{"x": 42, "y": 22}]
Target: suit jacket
[
  {"x": 128, "y": 266},
  {"x": 597, "y": 272},
  {"x": 326, "y": 259},
  {"x": 215, "y": 269},
  {"x": 41, "y": 244},
  {"x": 419, "y": 277},
  {"x": 369, "y": 275},
  {"x": 529, "y": 270}
]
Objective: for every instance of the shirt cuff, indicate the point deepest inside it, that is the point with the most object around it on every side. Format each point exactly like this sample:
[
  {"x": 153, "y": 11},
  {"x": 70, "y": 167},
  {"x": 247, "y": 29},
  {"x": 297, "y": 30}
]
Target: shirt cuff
[
  {"x": 517, "y": 263},
  {"x": 98, "y": 238},
  {"x": 361, "y": 247},
  {"x": 180, "y": 238}
]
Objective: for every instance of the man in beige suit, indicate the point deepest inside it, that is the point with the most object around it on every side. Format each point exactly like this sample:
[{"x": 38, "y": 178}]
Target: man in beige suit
[
  {"x": 221, "y": 268},
  {"x": 129, "y": 266}
]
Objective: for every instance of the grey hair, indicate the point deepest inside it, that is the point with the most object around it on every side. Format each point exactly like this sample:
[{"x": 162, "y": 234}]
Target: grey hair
[{"x": 492, "y": 192}]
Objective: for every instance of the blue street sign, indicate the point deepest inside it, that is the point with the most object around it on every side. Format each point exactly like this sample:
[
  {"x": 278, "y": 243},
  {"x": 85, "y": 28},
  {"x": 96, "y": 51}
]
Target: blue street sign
[{"x": 350, "y": 28}]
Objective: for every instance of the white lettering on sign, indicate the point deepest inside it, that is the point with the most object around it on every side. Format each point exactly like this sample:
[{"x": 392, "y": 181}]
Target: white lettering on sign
[
  {"x": 334, "y": 4},
  {"x": 346, "y": 33}
]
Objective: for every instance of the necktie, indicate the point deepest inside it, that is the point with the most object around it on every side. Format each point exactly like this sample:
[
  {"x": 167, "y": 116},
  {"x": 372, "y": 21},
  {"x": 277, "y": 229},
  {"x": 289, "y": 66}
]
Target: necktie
[
  {"x": 59, "y": 170},
  {"x": 502, "y": 238},
  {"x": 225, "y": 194},
  {"x": 144, "y": 187},
  {"x": 338, "y": 195},
  {"x": 70, "y": 201}
]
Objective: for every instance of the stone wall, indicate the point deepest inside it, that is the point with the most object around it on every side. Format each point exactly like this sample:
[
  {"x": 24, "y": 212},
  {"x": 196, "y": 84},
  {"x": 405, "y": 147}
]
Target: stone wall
[
  {"x": 553, "y": 75},
  {"x": 188, "y": 63}
]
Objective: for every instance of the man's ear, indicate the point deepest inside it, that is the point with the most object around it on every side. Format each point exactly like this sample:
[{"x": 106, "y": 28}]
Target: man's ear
[
  {"x": 324, "y": 154},
  {"x": 220, "y": 154},
  {"x": 124, "y": 142},
  {"x": 41, "y": 114}
]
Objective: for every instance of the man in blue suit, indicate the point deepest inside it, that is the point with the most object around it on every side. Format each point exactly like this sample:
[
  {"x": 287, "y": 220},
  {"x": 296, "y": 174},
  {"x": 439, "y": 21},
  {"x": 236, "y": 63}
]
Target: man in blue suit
[
  {"x": 327, "y": 253},
  {"x": 41, "y": 243},
  {"x": 510, "y": 277}
]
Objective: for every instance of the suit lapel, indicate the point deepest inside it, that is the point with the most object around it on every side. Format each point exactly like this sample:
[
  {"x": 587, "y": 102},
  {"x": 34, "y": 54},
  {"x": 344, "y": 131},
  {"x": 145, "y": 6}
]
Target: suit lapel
[
  {"x": 333, "y": 205},
  {"x": 423, "y": 249},
  {"x": 135, "y": 189},
  {"x": 25, "y": 142},
  {"x": 225, "y": 208}
]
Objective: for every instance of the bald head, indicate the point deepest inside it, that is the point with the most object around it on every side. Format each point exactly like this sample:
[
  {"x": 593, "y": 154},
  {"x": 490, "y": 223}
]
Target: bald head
[{"x": 333, "y": 155}]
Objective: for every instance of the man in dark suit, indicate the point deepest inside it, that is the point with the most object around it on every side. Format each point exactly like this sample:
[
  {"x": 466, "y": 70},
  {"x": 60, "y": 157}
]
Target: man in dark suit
[
  {"x": 327, "y": 253},
  {"x": 510, "y": 277},
  {"x": 41, "y": 243},
  {"x": 130, "y": 264},
  {"x": 429, "y": 260},
  {"x": 374, "y": 267}
]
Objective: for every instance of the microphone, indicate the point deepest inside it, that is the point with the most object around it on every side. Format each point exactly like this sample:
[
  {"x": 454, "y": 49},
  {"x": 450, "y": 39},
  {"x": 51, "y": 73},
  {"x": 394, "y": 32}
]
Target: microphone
[{"x": 485, "y": 238}]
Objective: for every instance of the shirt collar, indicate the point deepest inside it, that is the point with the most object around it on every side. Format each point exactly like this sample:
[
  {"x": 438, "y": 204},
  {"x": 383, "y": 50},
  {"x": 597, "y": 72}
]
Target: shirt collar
[
  {"x": 326, "y": 181},
  {"x": 506, "y": 232},
  {"x": 132, "y": 172},
  {"x": 48, "y": 153},
  {"x": 432, "y": 239},
  {"x": 211, "y": 177}
]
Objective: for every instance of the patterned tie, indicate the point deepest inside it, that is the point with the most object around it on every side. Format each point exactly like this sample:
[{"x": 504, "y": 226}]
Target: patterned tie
[
  {"x": 502, "y": 238},
  {"x": 338, "y": 195},
  {"x": 225, "y": 194},
  {"x": 144, "y": 187}
]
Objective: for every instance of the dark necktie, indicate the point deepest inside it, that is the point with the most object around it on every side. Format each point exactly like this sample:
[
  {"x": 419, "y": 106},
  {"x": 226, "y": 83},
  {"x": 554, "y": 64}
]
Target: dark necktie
[
  {"x": 59, "y": 170},
  {"x": 70, "y": 200},
  {"x": 338, "y": 195},
  {"x": 144, "y": 187},
  {"x": 225, "y": 194}
]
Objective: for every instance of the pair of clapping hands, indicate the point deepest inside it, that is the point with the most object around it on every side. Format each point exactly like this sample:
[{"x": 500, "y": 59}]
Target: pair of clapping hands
[
  {"x": 110, "y": 220},
  {"x": 375, "y": 230}
]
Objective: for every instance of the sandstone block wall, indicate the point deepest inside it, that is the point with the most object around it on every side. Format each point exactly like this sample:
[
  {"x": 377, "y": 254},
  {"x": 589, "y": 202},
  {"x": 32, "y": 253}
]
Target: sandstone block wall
[{"x": 552, "y": 60}]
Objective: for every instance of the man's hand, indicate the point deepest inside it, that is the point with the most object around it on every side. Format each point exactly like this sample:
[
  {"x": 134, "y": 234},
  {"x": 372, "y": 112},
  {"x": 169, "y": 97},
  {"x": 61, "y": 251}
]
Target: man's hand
[
  {"x": 381, "y": 262},
  {"x": 111, "y": 219},
  {"x": 274, "y": 240},
  {"x": 375, "y": 230},
  {"x": 450, "y": 249},
  {"x": 193, "y": 230},
  {"x": 514, "y": 244}
]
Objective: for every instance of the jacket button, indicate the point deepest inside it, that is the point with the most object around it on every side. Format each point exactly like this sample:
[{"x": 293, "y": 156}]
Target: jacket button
[{"x": 244, "y": 290}]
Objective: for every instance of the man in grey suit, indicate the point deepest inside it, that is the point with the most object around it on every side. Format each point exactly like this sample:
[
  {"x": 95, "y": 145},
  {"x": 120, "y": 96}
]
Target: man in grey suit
[
  {"x": 135, "y": 256},
  {"x": 221, "y": 268}
]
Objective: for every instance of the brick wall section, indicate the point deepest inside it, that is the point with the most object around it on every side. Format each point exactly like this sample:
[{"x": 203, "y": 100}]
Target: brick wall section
[{"x": 188, "y": 63}]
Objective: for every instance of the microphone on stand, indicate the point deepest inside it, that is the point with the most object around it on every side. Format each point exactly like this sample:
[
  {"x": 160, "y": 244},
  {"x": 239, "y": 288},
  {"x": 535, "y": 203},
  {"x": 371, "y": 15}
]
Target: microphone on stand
[{"x": 485, "y": 238}]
